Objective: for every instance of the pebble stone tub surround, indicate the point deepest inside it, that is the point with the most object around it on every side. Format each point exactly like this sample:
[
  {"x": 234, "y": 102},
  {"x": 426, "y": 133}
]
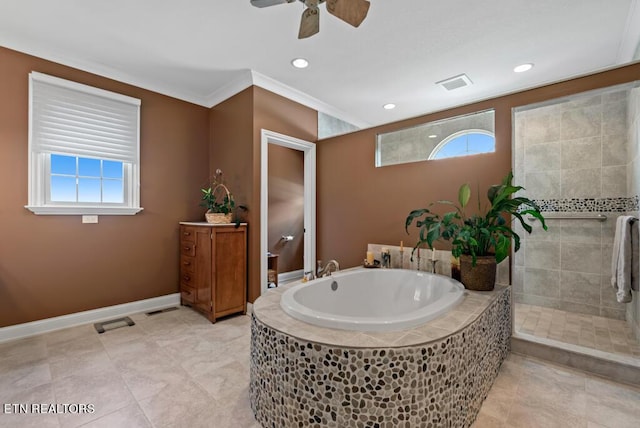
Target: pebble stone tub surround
[{"x": 434, "y": 375}]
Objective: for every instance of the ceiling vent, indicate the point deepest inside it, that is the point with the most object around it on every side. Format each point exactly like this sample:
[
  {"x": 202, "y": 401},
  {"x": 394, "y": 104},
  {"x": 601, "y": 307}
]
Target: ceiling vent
[{"x": 455, "y": 82}]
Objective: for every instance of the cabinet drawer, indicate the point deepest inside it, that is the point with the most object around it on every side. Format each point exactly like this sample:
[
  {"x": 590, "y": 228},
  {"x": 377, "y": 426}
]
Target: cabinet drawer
[
  {"x": 187, "y": 294},
  {"x": 188, "y": 249},
  {"x": 187, "y": 234},
  {"x": 187, "y": 264},
  {"x": 187, "y": 278}
]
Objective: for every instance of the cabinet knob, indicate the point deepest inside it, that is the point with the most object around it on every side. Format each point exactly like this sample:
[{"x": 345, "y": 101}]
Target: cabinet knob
[
  {"x": 187, "y": 233},
  {"x": 187, "y": 248},
  {"x": 187, "y": 263},
  {"x": 186, "y": 277}
]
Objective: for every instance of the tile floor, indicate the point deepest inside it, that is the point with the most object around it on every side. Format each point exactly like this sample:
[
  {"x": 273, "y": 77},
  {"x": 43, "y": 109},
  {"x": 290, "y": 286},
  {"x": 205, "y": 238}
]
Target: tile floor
[
  {"x": 604, "y": 334},
  {"x": 175, "y": 369}
]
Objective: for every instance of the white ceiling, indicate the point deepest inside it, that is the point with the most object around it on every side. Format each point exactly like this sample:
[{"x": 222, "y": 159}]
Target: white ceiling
[{"x": 204, "y": 51}]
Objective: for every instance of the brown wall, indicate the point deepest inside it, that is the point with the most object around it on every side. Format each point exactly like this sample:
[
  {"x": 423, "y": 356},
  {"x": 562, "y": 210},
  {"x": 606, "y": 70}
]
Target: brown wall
[
  {"x": 231, "y": 147},
  {"x": 236, "y": 126},
  {"x": 286, "y": 206},
  {"x": 278, "y": 114},
  {"x": 55, "y": 265},
  {"x": 359, "y": 203}
]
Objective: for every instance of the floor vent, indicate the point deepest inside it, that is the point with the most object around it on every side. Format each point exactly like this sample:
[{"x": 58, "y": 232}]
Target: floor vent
[
  {"x": 455, "y": 82},
  {"x": 101, "y": 327},
  {"x": 160, "y": 311}
]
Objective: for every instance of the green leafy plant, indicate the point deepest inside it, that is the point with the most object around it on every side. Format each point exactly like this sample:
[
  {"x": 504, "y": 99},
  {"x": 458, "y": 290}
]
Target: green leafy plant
[
  {"x": 217, "y": 197},
  {"x": 477, "y": 234}
]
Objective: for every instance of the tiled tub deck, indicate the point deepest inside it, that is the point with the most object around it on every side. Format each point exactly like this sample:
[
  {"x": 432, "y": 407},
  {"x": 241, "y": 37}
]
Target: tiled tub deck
[{"x": 435, "y": 375}]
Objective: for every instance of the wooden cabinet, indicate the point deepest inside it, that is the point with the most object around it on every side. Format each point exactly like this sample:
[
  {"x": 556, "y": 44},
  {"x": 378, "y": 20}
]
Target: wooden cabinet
[{"x": 213, "y": 268}]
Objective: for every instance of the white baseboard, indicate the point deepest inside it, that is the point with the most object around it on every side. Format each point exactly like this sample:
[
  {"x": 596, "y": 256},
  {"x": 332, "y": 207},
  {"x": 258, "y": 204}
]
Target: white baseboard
[
  {"x": 290, "y": 276},
  {"x": 96, "y": 315}
]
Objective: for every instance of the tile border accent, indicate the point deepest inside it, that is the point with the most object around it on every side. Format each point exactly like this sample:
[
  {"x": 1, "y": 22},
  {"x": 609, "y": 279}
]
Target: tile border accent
[
  {"x": 295, "y": 382},
  {"x": 588, "y": 204}
]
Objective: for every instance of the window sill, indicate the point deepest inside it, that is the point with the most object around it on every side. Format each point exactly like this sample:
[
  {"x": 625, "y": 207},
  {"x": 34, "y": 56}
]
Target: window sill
[{"x": 52, "y": 210}]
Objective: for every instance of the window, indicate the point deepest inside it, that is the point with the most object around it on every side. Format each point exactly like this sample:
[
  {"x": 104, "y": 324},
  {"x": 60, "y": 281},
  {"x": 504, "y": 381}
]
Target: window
[
  {"x": 465, "y": 143},
  {"x": 453, "y": 136},
  {"x": 83, "y": 149},
  {"x": 75, "y": 179}
]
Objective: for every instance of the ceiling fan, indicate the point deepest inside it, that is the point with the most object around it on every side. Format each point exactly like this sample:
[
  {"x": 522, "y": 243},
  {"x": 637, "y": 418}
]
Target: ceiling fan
[{"x": 350, "y": 11}]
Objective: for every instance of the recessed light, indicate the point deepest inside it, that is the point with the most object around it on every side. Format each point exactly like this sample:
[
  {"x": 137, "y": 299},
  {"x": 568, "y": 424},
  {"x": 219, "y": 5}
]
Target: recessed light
[
  {"x": 523, "y": 67},
  {"x": 433, "y": 136},
  {"x": 300, "y": 63},
  {"x": 389, "y": 106}
]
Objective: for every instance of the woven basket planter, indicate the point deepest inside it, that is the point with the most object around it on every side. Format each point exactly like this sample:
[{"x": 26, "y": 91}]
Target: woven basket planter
[
  {"x": 482, "y": 276},
  {"x": 218, "y": 218}
]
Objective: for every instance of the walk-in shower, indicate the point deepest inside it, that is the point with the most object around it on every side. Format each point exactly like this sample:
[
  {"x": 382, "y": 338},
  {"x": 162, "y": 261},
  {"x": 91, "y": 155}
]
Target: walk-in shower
[{"x": 578, "y": 158}]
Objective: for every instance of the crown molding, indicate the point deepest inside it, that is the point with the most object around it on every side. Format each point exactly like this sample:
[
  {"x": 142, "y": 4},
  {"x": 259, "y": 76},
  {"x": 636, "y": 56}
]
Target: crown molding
[
  {"x": 235, "y": 86},
  {"x": 300, "y": 97},
  {"x": 110, "y": 73},
  {"x": 252, "y": 77},
  {"x": 245, "y": 79}
]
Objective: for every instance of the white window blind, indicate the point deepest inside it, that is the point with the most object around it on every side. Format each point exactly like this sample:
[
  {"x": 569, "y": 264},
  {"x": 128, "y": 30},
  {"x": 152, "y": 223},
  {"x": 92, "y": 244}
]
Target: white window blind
[
  {"x": 71, "y": 127},
  {"x": 70, "y": 118}
]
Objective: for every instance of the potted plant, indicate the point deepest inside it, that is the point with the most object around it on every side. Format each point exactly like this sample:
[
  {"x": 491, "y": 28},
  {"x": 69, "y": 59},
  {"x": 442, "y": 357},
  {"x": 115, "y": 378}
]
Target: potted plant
[
  {"x": 218, "y": 200},
  {"x": 479, "y": 240}
]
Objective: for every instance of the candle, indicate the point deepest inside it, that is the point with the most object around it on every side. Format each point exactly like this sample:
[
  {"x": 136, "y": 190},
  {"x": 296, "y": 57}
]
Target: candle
[
  {"x": 369, "y": 257},
  {"x": 401, "y": 246}
]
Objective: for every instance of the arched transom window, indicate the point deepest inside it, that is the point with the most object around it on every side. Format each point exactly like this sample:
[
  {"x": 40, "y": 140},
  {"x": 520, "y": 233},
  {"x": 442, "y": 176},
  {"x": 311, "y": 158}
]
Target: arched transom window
[{"x": 465, "y": 143}]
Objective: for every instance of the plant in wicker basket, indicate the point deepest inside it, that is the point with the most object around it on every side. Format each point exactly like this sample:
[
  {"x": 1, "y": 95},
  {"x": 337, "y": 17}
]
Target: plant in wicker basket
[{"x": 218, "y": 200}]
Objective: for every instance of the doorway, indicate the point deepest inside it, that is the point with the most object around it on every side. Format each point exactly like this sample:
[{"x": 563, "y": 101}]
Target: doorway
[{"x": 308, "y": 150}]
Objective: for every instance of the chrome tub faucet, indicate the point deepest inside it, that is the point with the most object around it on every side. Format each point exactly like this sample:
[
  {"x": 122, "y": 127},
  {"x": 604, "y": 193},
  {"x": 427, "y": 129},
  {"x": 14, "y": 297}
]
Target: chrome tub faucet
[{"x": 331, "y": 266}]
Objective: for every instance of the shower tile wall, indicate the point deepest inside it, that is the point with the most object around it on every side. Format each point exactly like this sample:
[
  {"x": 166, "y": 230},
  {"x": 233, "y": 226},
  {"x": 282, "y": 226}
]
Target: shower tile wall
[
  {"x": 572, "y": 157},
  {"x": 633, "y": 184}
]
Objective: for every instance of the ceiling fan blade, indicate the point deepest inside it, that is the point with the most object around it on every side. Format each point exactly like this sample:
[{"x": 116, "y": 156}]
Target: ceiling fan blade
[
  {"x": 350, "y": 11},
  {"x": 310, "y": 22},
  {"x": 267, "y": 3}
]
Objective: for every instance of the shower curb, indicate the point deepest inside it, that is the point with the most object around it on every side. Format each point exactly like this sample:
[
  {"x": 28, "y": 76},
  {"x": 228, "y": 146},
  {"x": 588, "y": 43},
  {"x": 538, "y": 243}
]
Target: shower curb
[{"x": 594, "y": 362}]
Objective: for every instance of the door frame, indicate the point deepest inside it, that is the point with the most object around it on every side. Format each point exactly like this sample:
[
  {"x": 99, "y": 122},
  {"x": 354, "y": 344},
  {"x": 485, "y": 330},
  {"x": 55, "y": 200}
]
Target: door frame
[{"x": 309, "y": 152}]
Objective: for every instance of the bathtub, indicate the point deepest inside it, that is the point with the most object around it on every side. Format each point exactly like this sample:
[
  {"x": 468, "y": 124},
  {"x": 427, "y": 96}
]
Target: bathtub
[{"x": 372, "y": 299}]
